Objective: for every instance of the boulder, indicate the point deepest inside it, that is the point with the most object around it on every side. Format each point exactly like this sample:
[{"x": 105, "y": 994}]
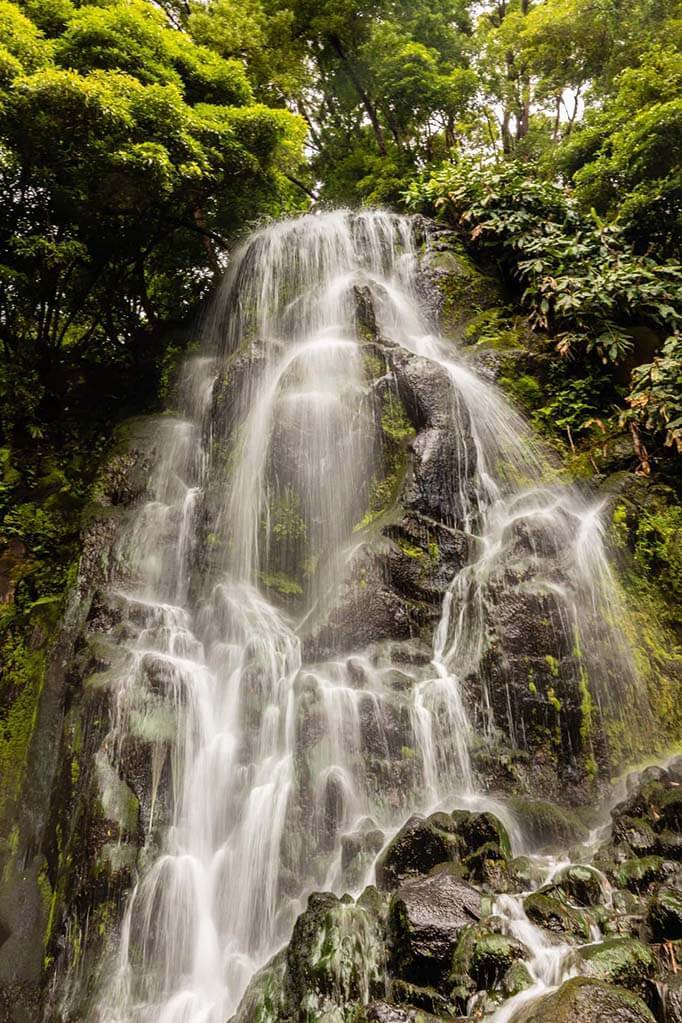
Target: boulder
[
  {"x": 422, "y": 843},
  {"x": 470, "y": 840},
  {"x": 583, "y": 1000},
  {"x": 582, "y": 885},
  {"x": 426, "y": 917},
  {"x": 664, "y": 914},
  {"x": 640, "y": 873},
  {"x": 484, "y": 956},
  {"x": 385, "y": 1012},
  {"x": 623, "y": 961},
  {"x": 553, "y": 914},
  {"x": 546, "y": 825}
]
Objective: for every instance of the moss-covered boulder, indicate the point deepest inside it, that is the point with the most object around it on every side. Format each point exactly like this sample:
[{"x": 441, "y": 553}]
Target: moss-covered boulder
[
  {"x": 664, "y": 914},
  {"x": 426, "y": 999},
  {"x": 582, "y": 885},
  {"x": 387, "y": 1012},
  {"x": 626, "y": 962},
  {"x": 583, "y": 1000},
  {"x": 334, "y": 962},
  {"x": 426, "y": 917},
  {"x": 469, "y": 840},
  {"x": 555, "y": 915},
  {"x": 547, "y": 825},
  {"x": 640, "y": 873},
  {"x": 484, "y": 956}
]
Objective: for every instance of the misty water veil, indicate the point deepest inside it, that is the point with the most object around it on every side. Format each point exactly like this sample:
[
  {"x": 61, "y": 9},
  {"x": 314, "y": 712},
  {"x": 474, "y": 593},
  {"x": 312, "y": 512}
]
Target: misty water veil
[{"x": 291, "y": 729}]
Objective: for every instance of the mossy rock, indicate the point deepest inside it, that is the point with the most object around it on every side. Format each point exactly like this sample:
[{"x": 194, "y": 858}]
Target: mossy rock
[
  {"x": 639, "y": 874},
  {"x": 581, "y": 884},
  {"x": 388, "y": 1012},
  {"x": 525, "y": 873},
  {"x": 426, "y": 918},
  {"x": 664, "y": 914},
  {"x": 484, "y": 956},
  {"x": 546, "y": 825},
  {"x": 584, "y": 1000},
  {"x": 626, "y": 962},
  {"x": 516, "y": 979},
  {"x": 553, "y": 914},
  {"x": 422, "y": 844},
  {"x": 425, "y": 998}
]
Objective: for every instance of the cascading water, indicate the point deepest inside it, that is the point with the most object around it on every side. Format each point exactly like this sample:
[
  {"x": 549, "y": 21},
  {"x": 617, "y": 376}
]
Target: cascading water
[{"x": 281, "y": 742}]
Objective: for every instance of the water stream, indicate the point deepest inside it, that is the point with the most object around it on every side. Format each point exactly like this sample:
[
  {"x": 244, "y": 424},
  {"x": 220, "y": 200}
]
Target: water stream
[{"x": 260, "y": 492}]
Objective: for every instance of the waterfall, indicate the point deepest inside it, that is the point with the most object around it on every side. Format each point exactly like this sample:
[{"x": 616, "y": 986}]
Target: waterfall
[{"x": 280, "y": 736}]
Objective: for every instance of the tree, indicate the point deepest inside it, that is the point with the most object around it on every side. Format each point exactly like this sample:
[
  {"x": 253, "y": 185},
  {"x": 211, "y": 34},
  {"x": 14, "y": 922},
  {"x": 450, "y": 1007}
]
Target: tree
[{"x": 129, "y": 155}]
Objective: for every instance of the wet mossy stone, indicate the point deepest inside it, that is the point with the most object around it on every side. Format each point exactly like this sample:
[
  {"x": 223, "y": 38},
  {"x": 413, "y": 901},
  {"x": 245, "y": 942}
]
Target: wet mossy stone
[
  {"x": 664, "y": 914},
  {"x": 546, "y": 825},
  {"x": 425, "y": 998},
  {"x": 637, "y": 834},
  {"x": 640, "y": 873},
  {"x": 626, "y": 962},
  {"x": 463, "y": 837},
  {"x": 581, "y": 884},
  {"x": 264, "y": 998},
  {"x": 426, "y": 917},
  {"x": 482, "y": 829},
  {"x": 358, "y": 849},
  {"x": 485, "y": 956},
  {"x": 525, "y": 873},
  {"x": 516, "y": 979},
  {"x": 584, "y": 1000},
  {"x": 422, "y": 843},
  {"x": 336, "y": 954},
  {"x": 554, "y": 915}
]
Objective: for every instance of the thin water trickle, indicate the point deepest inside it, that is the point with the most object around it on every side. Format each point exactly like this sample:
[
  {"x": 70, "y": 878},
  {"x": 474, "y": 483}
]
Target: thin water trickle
[{"x": 256, "y": 501}]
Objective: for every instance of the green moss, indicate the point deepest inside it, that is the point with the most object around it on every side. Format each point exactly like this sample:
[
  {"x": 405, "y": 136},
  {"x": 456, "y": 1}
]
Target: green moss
[
  {"x": 23, "y": 674},
  {"x": 495, "y": 328},
  {"x": 545, "y": 823},
  {"x": 553, "y": 665},
  {"x": 554, "y": 699},
  {"x": 373, "y": 366},
  {"x": 281, "y": 583},
  {"x": 524, "y": 388},
  {"x": 547, "y": 911},
  {"x": 286, "y": 522},
  {"x": 394, "y": 421},
  {"x": 638, "y": 873},
  {"x": 658, "y": 547},
  {"x": 465, "y": 290},
  {"x": 624, "y": 961},
  {"x": 411, "y": 550}
]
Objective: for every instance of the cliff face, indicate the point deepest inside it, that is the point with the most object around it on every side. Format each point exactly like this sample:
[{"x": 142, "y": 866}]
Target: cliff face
[{"x": 90, "y": 798}]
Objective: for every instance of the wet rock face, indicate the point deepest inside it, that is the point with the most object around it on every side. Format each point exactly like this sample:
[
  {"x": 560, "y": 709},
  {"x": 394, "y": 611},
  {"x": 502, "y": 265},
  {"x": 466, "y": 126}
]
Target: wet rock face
[
  {"x": 644, "y": 852},
  {"x": 587, "y": 1001},
  {"x": 467, "y": 840},
  {"x": 425, "y": 920}
]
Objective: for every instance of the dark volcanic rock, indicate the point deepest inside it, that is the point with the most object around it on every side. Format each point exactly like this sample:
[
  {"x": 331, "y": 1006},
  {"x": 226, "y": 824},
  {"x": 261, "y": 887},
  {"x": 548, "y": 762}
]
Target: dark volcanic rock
[
  {"x": 664, "y": 915},
  {"x": 425, "y": 919},
  {"x": 465, "y": 838}
]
